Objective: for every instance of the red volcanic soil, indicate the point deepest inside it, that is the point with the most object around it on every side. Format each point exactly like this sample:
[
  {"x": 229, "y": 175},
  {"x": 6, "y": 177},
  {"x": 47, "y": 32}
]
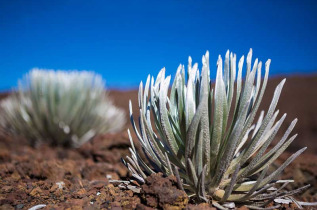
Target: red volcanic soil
[{"x": 79, "y": 178}]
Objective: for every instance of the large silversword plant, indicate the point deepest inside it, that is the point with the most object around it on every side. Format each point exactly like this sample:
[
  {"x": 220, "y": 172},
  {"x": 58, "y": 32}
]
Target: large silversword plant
[
  {"x": 207, "y": 137},
  {"x": 61, "y": 108}
]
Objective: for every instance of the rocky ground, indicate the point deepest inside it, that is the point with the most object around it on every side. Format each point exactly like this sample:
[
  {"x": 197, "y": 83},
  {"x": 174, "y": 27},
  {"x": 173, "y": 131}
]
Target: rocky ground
[{"x": 80, "y": 178}]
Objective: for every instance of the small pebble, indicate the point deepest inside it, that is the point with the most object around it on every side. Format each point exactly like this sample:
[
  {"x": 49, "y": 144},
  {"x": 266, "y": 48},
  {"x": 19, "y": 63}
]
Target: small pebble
[
  {"x": 19, "y": 206},
  {"x": 37, "y": 207}
]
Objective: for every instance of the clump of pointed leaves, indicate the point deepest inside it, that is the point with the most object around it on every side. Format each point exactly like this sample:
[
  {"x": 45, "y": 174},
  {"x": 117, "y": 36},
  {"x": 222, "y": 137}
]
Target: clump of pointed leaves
[
  {"x": 61, "y": 108},
  {"x": 207, "y": 137}
]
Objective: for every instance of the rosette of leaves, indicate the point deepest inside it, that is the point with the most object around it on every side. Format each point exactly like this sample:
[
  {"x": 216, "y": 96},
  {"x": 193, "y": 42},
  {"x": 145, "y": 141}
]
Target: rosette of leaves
[
  {"x": 205, "y": 135},
  {"x": 65, "y": 108}
]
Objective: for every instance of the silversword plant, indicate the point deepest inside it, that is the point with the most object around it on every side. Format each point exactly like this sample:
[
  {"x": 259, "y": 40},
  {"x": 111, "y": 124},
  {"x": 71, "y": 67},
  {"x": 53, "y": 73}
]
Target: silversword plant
[
  {"x": 61, "y": 108},
  {"x": 206, "y": 136}
]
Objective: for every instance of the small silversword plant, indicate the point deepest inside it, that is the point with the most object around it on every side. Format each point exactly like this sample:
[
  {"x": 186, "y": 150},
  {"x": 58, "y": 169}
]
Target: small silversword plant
[
  {"x": 206, "y": 136},
  {"x": 61, "y": 108}
]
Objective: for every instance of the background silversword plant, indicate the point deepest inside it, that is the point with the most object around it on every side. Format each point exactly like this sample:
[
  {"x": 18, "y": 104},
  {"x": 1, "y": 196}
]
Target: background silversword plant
[
  {"x": 206, "y": 136},
  {"x": 61, "y": 108}
]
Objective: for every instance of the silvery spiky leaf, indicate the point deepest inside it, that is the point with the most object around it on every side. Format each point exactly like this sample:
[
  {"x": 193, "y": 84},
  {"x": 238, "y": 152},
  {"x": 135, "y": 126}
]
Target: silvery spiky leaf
[
  {"x": 208, "y": 137},
  {"x": 60, "y": 107}
]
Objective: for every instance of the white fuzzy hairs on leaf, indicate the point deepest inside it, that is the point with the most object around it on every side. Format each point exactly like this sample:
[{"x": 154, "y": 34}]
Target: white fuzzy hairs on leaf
[{"x": 209, "y": 133}]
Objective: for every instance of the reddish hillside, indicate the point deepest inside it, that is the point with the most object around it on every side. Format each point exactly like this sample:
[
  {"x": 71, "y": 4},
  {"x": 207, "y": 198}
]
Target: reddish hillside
[{"x": 298, "y": 100}]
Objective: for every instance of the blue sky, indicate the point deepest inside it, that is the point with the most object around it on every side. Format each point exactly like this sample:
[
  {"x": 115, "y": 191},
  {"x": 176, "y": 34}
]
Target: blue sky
[{"x": 124, "y": 41}]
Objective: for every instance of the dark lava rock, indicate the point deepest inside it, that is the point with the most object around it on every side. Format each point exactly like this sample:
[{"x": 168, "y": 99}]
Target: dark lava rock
[{"x": 160, "y": 192}]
